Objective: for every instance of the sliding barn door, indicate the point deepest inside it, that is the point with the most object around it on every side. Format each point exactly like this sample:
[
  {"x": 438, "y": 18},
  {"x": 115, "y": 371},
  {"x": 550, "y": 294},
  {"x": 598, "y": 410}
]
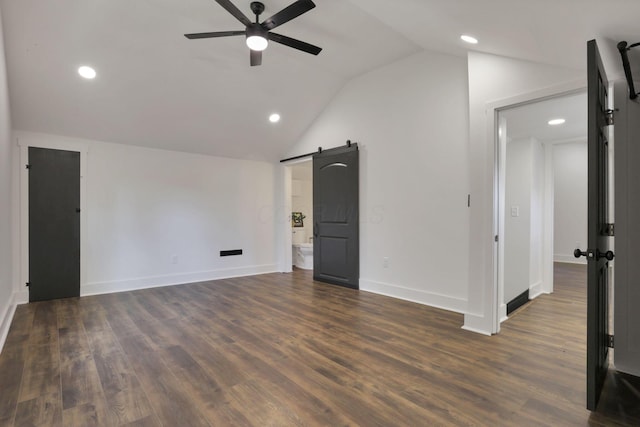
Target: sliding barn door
[{"x": 336, "y": 247}]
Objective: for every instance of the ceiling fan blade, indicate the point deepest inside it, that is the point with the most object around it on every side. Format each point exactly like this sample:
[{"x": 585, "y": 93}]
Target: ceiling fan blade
[
  {"x": 215, "y": 34},
  {"x": 230, "y": 7},
  {"x": 256, "y": 57},
  {"x": 296, "y": 44},
  {"x": 288, "y": 13}
]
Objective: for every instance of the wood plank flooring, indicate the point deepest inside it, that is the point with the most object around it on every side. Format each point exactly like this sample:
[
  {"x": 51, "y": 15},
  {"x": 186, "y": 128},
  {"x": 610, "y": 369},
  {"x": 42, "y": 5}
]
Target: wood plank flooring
[{"x": 281, "y": 350}]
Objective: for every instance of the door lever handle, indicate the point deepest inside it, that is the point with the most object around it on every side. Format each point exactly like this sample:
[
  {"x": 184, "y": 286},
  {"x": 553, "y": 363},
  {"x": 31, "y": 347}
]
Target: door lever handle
[
  {"x": 608, "y": 255},
  {"x": 578, "y": 253},
  {"x": 591, "y": 254}
]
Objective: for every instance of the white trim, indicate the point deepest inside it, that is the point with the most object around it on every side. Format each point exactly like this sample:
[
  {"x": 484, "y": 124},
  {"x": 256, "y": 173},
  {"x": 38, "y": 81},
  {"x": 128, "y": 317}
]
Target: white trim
[
  {"x": 570, "y": 88},
  {"x": 21, "y": 297},
  {"x": 286, "y": 263},
  {"x": 475, "y": 323},
  {"x": 5, "y": 321},
  {"x": 548, "y": 220},
  {"x": 535, "y": 290},
  {"x": 503, "y": 312},
  {"x": 99, "y": 288},
  {"x": 444, "y": 302},
  {"x": 568, "y": 259},
  {"x": 24, "y": 141}
]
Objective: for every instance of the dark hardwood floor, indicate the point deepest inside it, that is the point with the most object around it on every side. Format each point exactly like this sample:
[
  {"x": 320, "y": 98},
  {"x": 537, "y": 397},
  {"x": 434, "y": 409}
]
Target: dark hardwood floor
[{"x": 281, "y": 350}]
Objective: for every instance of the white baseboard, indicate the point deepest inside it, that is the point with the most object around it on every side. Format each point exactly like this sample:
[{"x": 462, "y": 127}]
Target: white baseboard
[
  {"x": 570, "y": 259},
  {"x": 21, "y": 297},
  {"x": 502, "y": 314},
  {"x": 477, "y": 324},
  {"x": 535, "y": 290},
  {"x": 170, "y": 280},
  {"x": 414, "y": 295},
  {"x": 5, "y": 321}
]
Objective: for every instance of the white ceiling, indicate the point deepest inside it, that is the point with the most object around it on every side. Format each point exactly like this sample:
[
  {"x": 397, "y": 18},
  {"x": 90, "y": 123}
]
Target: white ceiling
[
  {"x": 532, "y": 120},
  {"x": 156, "y": 88}
]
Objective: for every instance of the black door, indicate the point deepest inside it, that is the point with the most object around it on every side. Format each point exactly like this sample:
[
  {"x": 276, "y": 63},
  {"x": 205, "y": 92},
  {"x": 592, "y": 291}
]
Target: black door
[
  {"x": 598, "y": 254},
  {"x": 336, "y": 246},
  {"x": 54, "y": 224}
]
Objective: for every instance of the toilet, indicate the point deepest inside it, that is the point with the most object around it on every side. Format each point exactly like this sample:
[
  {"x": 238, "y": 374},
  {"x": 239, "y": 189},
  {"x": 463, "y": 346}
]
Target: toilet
[{"x": 303, "y": 255}]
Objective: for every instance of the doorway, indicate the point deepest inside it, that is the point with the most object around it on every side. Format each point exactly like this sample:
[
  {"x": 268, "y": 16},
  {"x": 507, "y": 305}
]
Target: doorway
[
  {"x": 332, "y": 224},
  {"x": 542, "y": 194},
  {"x": 302, "y": 215},
  {"x": 54, "y": 224}
]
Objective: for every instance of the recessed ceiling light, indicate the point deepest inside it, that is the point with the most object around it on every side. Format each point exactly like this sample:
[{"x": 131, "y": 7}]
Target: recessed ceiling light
[
  {"x": 469, "y": 39},
  {"x": 87, "y": 72},
  {"x": 556, "y": 122},
  {"x": 274, "y": 118}
]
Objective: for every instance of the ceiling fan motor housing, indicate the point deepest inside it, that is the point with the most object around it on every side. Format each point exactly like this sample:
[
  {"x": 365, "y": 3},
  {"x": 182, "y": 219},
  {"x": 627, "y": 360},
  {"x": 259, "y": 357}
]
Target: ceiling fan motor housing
[{"x": 257, "y": 30}]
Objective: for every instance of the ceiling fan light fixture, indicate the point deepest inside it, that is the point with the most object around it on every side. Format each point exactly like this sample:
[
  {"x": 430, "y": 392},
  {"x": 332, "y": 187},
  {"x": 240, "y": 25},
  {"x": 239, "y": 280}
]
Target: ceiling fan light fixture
[
  {"x": 257, "y": 38},
  {"x": 257, "y": 43}
]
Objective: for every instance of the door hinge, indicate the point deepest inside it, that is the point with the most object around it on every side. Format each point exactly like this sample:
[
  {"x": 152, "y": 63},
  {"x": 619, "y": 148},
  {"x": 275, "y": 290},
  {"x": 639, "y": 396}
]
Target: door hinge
[
  {"x": 468, "y": 200},
  {"x": 609, "y": 340},
  {"x": 608, "y": 117},
  {"x": 609, "y": 230},
  {"x": 27, "y": 284},
  {"x": 496, "y": 238},
  {"x": 28, "y": 166}
]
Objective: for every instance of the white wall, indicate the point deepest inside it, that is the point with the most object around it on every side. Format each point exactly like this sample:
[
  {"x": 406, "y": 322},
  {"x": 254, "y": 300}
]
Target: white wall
[
  {"x": 524, "y": 185},
  {"x": 6, "y": 155},
  {"x": 627, "y": 240},
  {"x": 570, "y": 200},
  {"x": 155, "y": 217},
  {"x": 410, "y": 119},
  {"x": 517, "y": 239},
  {"x": 496, "y": 80}
]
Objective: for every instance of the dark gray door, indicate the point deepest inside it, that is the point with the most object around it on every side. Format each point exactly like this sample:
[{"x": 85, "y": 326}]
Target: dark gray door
[
  {"x": 336, "y": 245},
  {"x": 54, "y": 224},
  {"x": 598, "y": 254}
]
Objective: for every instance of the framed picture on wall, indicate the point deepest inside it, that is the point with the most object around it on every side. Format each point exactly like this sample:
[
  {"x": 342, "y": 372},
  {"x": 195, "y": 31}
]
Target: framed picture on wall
[{"x": 297, "y": 219}]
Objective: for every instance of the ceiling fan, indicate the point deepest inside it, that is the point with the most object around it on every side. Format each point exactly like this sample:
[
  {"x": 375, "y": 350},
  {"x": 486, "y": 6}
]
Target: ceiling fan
[{"x": 258, "y": 34}]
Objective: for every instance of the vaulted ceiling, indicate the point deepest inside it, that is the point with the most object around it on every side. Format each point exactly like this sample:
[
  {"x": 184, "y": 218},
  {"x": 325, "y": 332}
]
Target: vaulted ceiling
[{"x": 156, "y": 88}]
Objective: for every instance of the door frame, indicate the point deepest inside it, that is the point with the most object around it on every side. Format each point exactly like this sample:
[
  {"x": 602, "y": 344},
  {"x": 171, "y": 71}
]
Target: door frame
[
  {"x": 492, "y": 110},
  {"x": 284, "y": 217},
  {"x": 24, "y": 141}
]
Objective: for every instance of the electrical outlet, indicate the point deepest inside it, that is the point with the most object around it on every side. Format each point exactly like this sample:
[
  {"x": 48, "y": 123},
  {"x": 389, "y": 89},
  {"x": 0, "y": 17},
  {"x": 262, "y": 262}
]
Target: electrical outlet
[
  {"x": 174, "y": 259},
  {"x": 385, "y": 262}
]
